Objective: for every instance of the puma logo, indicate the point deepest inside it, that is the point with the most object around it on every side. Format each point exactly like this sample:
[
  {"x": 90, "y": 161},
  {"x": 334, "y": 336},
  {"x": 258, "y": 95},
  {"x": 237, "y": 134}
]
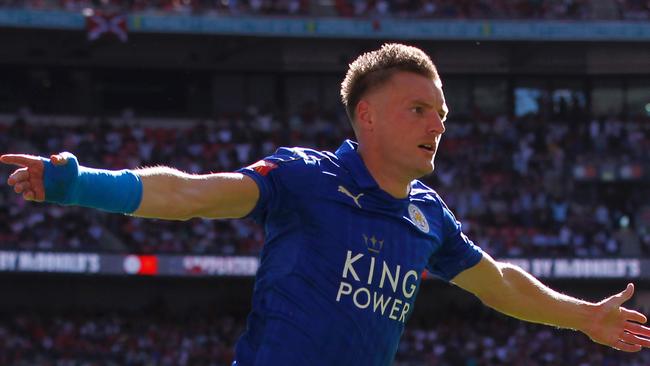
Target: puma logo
[{"x": 354, "y": 198}]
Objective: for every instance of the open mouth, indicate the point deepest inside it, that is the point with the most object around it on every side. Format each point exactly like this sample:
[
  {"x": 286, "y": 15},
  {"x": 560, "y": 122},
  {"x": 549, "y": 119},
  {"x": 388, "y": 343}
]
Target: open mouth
[{"x": 426, "y": 147}]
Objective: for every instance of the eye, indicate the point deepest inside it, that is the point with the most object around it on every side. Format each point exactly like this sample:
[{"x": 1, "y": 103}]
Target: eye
[{"x": 417, "y": 110}]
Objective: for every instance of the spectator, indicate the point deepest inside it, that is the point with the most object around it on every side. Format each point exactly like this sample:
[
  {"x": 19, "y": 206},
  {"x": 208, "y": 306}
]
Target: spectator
[{"x": 529, "y": 203}]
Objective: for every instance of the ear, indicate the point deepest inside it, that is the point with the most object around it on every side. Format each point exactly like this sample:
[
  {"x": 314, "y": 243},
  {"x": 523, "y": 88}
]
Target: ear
[{"x": 364, "y": 115}]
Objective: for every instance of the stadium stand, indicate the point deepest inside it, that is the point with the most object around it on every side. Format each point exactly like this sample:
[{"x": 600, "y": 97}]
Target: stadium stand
[
  {"x": 425, "y": 9},
  {"x": 559, "y": 181},
  {"x": 160, "y": 338},
  {"x": 549, "y": 212}
]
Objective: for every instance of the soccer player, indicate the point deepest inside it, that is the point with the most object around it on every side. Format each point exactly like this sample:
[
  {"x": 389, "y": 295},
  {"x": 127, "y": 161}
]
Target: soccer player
[{"x": 348, "y": 234}]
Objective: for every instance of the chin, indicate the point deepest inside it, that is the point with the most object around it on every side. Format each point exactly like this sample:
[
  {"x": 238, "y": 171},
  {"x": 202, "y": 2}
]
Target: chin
[{"x": 424, "y": 171}]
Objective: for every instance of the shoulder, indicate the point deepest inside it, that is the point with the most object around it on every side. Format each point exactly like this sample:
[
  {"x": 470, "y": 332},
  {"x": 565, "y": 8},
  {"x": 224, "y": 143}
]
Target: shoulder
[
  {"x": 294, "y": 168},
  {"x": 293, "y": 154},
  {"x": 422, "y": 192},
  {"x": 300, "y": 160},
  {"x": 429, "y": 197}
]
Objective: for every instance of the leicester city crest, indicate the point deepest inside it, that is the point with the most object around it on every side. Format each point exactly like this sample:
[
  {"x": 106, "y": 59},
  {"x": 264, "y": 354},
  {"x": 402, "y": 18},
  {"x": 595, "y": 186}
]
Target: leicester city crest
[{"x": 418, "y": 218}]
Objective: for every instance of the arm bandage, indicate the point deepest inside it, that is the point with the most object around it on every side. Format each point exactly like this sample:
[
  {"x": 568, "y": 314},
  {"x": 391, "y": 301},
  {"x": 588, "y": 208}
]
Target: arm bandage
[{"x": 107, "y": 190}]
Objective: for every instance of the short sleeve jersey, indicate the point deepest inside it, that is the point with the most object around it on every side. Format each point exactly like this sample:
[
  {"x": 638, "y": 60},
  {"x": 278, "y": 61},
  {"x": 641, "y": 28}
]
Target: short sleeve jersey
[{"x": 342, "y": 260}]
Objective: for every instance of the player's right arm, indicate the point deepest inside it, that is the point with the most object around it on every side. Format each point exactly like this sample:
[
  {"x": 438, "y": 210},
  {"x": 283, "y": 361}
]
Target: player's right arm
[
  {"x": 171, "y": 194},
  {"x": 158, "y": 192}
]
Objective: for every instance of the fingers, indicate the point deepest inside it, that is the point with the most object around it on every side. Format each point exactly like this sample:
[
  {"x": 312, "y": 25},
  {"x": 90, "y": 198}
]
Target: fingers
[
  {"x": 58, "y": 159},
  {"x": 637, "y": 329},
  {"x": 23, "y": 160},
  {"x": 22, "y": 187},
  {"x": 30, "y": 196},
  {"x": 634, "y": 316},
  {"x": 26, "y": 190},
  {"x": 624, "y": 295},
  {"x": 28, "y": 180},
  {"x": 18, "y": 176},
  {"x": 633, "y": 339},
  {"x": 625, "y": 347}
]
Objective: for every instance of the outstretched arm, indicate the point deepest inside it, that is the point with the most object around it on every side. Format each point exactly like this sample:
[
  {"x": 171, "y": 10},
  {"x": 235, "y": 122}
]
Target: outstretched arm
[
  {"x": 171, "y": 194},
  {"x": 512, "y": 291},
  {"x": 161, "y": 192}
]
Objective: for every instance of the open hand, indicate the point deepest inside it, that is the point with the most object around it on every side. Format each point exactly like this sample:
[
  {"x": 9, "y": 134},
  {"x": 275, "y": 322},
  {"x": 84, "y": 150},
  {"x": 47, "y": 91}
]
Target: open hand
[
  {"x": 618, "y": 327},
  {"x": 28, "y": 180}
]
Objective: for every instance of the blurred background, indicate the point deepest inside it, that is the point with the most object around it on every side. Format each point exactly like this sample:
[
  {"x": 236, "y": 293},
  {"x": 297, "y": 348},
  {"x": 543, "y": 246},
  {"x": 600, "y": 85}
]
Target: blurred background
[{"x": 546, "y": 161}]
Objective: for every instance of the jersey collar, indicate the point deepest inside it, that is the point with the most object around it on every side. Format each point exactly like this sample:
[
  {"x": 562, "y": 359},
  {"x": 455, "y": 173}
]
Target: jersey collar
[{"x": 348, "y": 154}]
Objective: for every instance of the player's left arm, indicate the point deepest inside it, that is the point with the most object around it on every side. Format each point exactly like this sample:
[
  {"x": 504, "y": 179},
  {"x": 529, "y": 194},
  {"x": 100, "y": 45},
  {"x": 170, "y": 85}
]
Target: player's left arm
[{"x": 512, "y": 291}]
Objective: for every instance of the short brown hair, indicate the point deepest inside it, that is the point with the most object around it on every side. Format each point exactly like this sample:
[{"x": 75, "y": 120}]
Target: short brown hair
[{"x": 373, "y": 69}]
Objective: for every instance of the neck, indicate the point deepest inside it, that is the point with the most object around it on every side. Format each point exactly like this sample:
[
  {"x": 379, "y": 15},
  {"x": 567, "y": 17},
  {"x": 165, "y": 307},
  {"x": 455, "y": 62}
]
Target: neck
[{"x": 387, "y": 179}]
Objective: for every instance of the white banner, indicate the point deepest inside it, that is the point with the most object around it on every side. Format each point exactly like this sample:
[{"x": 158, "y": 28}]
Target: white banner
[
  {"x": 49, "y": 262},
  {"x": 581, "y": 268},
  {"x": 246, "y": 266}
]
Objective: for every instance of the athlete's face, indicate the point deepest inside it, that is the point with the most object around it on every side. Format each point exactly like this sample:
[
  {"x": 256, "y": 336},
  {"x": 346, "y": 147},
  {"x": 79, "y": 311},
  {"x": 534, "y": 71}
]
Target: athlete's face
[{"x": 408, "y": 114}]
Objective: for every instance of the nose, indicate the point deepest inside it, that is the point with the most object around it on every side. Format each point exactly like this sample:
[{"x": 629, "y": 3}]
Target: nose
[{"x": 436, "y": 125}]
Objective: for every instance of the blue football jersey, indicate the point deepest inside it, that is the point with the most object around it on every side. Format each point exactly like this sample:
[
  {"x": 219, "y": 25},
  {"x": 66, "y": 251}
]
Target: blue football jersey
[{"x": 343, "y": 260}]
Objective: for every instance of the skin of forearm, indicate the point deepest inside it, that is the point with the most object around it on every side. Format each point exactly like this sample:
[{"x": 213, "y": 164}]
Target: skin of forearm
[
  {"x": 526, "y": 298},
  {"x": 175, "y": 195},
  {"x": 167, "y": 193}
]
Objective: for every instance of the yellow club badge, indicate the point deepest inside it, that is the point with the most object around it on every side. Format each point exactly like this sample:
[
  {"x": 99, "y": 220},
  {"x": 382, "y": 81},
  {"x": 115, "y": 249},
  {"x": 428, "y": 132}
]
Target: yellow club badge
[{"x": 418, "y": 218}]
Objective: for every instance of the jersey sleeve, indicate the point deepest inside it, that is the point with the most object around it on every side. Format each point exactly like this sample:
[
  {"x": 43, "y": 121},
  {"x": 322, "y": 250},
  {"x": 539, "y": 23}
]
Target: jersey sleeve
[
  {"x": 457, "y": 252},
  {"x": 276, "y": 177}
]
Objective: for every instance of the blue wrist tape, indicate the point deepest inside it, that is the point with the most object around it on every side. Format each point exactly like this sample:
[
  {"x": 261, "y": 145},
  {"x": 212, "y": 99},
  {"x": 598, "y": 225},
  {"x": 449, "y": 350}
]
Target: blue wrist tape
[{"x": 107, "y": 190}]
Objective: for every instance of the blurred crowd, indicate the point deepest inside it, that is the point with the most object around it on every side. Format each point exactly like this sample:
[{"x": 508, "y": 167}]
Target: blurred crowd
[
  {"x": 487, "y": 339},
  {"x": 125, "y": 339},
  {"x": 449, "y": 9},
  {"x": 512, "y": 183},
  {"x": 517, "y": 192},
  {"x": 133, "y": 339},
  {"x": 225, "y": 144}
]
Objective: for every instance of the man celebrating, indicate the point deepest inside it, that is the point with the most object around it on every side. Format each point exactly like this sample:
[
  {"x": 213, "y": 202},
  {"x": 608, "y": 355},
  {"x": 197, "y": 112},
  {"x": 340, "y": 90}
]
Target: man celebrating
[{"x": 348, "y": 234}]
